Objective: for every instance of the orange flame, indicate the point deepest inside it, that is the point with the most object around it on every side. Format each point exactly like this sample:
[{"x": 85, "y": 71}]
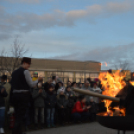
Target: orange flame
[
  {"x": 132, "y": 83},
  {"x": 112, "y": 84}
]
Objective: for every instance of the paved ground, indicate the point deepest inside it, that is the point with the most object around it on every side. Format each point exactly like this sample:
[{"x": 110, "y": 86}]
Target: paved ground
[{"x": 92, "y": 128}]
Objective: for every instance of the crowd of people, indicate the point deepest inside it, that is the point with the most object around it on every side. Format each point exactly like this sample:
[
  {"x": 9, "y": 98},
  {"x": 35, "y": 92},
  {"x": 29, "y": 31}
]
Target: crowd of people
[{"x": 46, "y": 104}]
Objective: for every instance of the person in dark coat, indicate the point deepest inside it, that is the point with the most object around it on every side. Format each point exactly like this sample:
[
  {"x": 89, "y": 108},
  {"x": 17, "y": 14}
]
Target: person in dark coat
[
  {"x": 21, "y": 83},
  {"x": 62, "y": 101},
  {"x": 47, "y": 84},
  {"x": 39, "y": 104},
  {"x": 50, "y": 103},
  {"x": 92, "y": 110},
  {"x": 3, "y": 94},
  {"x": 71, "y": 102}
]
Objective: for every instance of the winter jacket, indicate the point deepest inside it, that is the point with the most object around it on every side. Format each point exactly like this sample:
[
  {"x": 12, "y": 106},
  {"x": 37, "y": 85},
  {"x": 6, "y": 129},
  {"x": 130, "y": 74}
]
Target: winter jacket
[
  {"x": 46, "y": 86},
  {"x": 2, "y": 95},
  {"x": 69, "y": 93},
  {"x": 62, "y": 100},
  {"x": 71, "y": 99},
  {"x": 50, "y": 100},
  {"x": 38, "y": 98},
  {"x": 78, "y": 107}
]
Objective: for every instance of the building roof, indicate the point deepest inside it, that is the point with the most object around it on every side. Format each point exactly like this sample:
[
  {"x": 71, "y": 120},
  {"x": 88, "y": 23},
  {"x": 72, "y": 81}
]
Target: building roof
[
  {"x": 66, "y": 60},
  {"x": 64, "y": 65}
]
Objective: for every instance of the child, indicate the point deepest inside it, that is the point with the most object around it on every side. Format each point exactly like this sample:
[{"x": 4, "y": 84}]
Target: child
[
  {"x": 39, "y": 96},
  {"x": 50, "y": 106},
  {"x": 62, "y": 101},
  {"x": 3, "y": 94},
  {"x": 60, "y": 87}
]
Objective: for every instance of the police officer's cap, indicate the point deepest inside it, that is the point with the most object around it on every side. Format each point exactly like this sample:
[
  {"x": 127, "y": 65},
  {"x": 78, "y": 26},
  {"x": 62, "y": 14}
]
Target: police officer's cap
[{"x": 26, "y": 60}]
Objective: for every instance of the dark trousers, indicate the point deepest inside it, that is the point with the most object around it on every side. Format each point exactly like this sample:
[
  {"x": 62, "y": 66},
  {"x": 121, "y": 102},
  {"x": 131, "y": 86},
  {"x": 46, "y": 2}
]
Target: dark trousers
[
  {"x": 50, "y": 116},
  {"x": 20, "y": 103},
  {"x": 84, "y": 116},
  {"x": 62, "y": 115},
  {"x": 2, "y": 117},
  {"x": 69, "y": 110}
]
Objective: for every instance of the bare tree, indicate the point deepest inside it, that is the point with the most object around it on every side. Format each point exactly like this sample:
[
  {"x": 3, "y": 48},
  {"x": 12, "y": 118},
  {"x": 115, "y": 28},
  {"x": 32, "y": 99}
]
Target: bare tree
[
  {"x": 122, "y": 64},
  {"x": 13, "y": 60},
  {"x": 3, "y": 60}
]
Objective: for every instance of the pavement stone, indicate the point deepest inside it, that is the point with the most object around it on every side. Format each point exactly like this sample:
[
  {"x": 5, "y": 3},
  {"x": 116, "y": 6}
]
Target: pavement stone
[{"x": 87, "y": 128}]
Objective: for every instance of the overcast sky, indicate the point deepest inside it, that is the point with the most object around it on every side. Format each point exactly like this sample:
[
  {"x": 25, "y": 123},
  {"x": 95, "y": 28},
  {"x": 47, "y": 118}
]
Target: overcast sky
[{"x": 98, "y": 30}]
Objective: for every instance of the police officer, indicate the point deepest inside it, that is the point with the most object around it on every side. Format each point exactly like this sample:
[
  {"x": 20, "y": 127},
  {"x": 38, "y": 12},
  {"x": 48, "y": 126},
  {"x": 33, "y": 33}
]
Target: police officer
[{"x": 21, "y": 83}]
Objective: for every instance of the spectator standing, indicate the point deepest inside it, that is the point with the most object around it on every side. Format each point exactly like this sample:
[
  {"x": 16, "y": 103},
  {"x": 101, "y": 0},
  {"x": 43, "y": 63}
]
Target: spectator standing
[
  {"x": 54, "y": 80},
  {"x": 50, "y": 106},
  {"x": 35, "y": 76},
  {"x": 62, "y": 101},
  {"x": 60, "y": 87},
  {"x": 96, "y": 99},
  {"x": 92, "y": 110},
  {"x": 86, "y": 86},
  {"x": 47, "y": 84},
  {"x": 3, "y": 94},
  {"x": 79, "y": 85},
  {"x": 39, "y": 104},
  {"x": 7, "y": 86},
  {"x": 69, "y": 83},
  {"x": 71, "y": 101},
  {"x": 74, "y": 85},
  {"x": 21, "y": 83}
]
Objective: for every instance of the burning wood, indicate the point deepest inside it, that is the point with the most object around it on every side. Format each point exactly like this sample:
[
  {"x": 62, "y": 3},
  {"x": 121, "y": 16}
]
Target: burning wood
[{"x": 112, "y": 84}]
